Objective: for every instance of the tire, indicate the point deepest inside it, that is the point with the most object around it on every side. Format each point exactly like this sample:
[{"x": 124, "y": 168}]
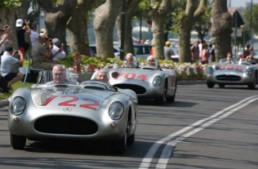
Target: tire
[
  {"x": 160, "y": 100},
  {"x": 171, "y": 99},
  {"x": 221, "y": 85},
  {"x": 120, "y": 145},
  {"x": 253, "y": 84},
  {"x": 210, "y": 85},
  {"x": 17, "y": 142},
  {"x": 131, "y": 140}
]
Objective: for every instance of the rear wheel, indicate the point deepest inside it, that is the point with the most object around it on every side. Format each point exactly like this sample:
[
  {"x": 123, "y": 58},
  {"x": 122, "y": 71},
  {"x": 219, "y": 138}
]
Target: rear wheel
[
  {"x": 210, "y": 85},
  {"x": 17, "y": 142},
  {"x": 253, "y": 84}
]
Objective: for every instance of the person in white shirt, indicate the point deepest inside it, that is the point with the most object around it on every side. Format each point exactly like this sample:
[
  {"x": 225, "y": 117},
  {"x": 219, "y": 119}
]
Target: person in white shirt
[
  {"x": 34, "y": 35},
  {"x": 57, "y": 50},
  {"x": 8, "y": 64}
]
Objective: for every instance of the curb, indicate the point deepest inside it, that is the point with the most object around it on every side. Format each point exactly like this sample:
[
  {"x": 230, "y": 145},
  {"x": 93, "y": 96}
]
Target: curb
[{"x": 189, "y": 82}]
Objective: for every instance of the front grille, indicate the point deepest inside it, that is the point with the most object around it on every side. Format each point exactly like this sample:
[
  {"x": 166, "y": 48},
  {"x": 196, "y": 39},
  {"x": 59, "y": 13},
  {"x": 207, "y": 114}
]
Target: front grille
[
  {"x": 66, "y": 125},
  {"x": 137, "y": 89},
  {"x": 228, "y": 78}
]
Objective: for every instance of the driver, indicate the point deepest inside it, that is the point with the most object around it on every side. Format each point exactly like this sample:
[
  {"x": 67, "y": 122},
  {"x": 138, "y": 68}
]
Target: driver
[
  {"x": 130, "y": 61},
  {"x": 59, "y": 75}
]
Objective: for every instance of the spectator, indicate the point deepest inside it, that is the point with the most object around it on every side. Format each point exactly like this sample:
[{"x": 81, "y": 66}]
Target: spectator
[
  {"x": 22, "y": 31},
  {"x": 195, "y": 51},
  {"x": 57, "y": 49},
  {"x": 4, "y": 38},
  {"x": 211, "y": 53},
  {"x": 34, "y": 35},
  {"x": 168, "y": 52},
  {"x": 41, "y": 54},
  {"x": 205, "y": 54},
  {"x": 8, "y": 68},
  {"x": 130, "y": 61}
]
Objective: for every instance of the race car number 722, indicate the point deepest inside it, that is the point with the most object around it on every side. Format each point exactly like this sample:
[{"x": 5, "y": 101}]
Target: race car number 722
[
  {"x": 71, "y": 101},
  {"x": 131, "y": 76}
]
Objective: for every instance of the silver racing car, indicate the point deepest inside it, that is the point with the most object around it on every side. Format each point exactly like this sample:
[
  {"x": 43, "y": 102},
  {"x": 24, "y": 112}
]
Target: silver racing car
[
  {"x": 147, "y": 82},
  {"x": 232, "y": 72},
  {"x": 92, "y": 110}
]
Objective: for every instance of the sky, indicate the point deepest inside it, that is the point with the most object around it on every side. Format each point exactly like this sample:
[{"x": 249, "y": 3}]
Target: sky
[{"x": 240, "y": 3}]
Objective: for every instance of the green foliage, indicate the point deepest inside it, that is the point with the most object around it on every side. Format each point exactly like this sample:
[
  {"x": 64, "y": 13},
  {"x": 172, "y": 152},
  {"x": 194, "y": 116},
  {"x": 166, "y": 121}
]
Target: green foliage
[
  {"x": 247, "y": 17},
  {"x": 177, "y": 16},
  {"x": 10, "y": 3}
]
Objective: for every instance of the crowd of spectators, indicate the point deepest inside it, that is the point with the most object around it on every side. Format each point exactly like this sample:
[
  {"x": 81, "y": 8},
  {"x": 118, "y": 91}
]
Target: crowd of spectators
[{"x": 36, "y": 45}]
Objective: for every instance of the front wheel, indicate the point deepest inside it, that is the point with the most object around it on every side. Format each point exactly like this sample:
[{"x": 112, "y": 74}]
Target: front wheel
[{"x": 17, "y": 142}]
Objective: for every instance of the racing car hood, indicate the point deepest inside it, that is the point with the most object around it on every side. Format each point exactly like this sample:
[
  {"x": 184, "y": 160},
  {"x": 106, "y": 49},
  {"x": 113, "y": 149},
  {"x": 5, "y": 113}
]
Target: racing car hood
[{"x": 69, "y": 97}]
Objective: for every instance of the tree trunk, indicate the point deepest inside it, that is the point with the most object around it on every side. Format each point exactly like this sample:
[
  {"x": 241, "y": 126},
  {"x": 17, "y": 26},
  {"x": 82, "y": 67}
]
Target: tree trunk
[
  {"x": 104, "y": 18},
  {"x": 77, "y": 28},
  {"x": 221, "y": 28},
  {"x": 56, "y": 17},
  {"x": 129, "y": 11},
  {"x": 160, "y": 9},
  {"x": 194, "y": 9},
  {"x": 184, "y": 43}
]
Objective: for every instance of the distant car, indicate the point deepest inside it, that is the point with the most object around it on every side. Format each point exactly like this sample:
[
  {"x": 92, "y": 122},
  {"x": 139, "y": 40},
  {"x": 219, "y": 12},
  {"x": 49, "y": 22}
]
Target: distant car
[
  {"x": 147, "y": 82},
  {"x": 233, "y": 72},
  {"x": 92, "y": 110},
  {"x": 142, "y": 50}
]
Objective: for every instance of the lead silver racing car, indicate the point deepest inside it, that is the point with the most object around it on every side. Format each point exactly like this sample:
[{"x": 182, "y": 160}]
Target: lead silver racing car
[{"x": 92, "y": 110}]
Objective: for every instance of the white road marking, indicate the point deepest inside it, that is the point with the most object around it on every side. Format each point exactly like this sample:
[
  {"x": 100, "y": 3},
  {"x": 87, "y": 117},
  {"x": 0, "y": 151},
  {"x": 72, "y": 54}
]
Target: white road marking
[{"x": 194, "y": 128}]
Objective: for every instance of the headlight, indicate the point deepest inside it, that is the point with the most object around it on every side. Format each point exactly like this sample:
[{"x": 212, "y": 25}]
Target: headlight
[
  {"x": 209, "y": 70},
  {"x": 116, "y": 110},
  {"x": 249, "y": 71},
  {"x": 157, "y": 81},
  {"x": 17, "y": 106}
]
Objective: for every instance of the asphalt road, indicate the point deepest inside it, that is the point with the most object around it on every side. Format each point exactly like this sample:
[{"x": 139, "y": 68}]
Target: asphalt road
[{"x": 204, "y": 129}]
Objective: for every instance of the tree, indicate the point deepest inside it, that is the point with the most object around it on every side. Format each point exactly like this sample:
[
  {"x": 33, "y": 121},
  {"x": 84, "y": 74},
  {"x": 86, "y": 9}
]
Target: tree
[
  {"x": 247, "y": 16},
  {"x": 104, "y": 18},
  {"x": 77, "y": 27},
  {"x": 130, "y": 8},
  {"x": 186, "y": 19},
  {"x": 221, "y": 28},
  {"x": 160, "y": 10},
  {"x": 56, "y": 16}
]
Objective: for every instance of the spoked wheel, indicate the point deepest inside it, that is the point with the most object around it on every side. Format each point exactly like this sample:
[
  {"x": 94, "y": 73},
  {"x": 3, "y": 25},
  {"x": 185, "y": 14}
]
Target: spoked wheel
[
  {"x": 17, "y": 142},
  {"x": 253, "y": 84}
]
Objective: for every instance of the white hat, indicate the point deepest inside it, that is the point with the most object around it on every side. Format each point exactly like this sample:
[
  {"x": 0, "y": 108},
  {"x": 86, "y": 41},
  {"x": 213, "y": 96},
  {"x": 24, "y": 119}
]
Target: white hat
[{"x": 19, "y": 23}]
